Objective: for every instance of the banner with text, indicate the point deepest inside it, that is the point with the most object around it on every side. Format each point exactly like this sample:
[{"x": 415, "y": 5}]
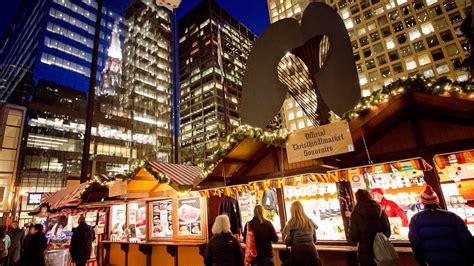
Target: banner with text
[{"x": 318, "y": 142}]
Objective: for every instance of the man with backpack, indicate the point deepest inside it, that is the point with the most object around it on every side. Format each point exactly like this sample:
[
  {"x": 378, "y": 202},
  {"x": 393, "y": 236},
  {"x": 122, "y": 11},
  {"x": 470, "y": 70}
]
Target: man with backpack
[{"x": 439, "y": 237}]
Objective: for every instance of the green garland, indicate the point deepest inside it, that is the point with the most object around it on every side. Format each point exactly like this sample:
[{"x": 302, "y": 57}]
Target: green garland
[
  {"x": 275, "y": 138},
  {"x": 134, "y": 169},
  {"x": 441, "y": 86}
]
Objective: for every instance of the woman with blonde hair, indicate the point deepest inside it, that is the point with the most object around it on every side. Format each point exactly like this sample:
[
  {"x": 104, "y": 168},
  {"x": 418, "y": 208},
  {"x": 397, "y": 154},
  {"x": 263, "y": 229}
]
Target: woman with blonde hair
[
  {"x": 223, "y": 248},
  {"x": 300, "y": 234},
  {"x": 264, "y": 234}
]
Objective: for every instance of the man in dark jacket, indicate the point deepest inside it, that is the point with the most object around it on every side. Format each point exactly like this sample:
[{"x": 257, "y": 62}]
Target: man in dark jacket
[
  {"x": 16, "y": 236},
  {"x": 81, "y": 243},
  {"x": 367, "y": 219},
  {"x": 439, "y": 237},
  {"x": 34, "y": 248}
]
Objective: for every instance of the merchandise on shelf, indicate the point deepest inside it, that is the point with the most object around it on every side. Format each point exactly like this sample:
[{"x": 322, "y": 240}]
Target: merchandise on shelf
[
  {"x": 398, "y": 194},
  {"x": 321, "y": 204},
  {"x": 457, "y": 184}
]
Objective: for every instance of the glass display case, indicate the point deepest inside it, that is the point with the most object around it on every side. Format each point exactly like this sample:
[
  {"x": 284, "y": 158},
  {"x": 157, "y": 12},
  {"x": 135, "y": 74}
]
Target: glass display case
[
  {"x": 137, "y": 220},
  {"x": 162, "y": 215},
  {"x": 321, "y": 204},
  {"x": 118, "y": 224},
  {"x": 457, "y": 184},
  {"x": 397, "y": 192},
  {"x": 181, "y": 217},
  {"x": 268, "y": 199}
]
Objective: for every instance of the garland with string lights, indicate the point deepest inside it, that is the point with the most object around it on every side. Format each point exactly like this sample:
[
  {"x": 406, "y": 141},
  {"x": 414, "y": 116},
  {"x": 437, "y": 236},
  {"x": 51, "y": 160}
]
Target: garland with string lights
[
  {"x": 275, "y": 138},
  {"x": 442, "y": 86},
  {"x": 134, "y": 169}
]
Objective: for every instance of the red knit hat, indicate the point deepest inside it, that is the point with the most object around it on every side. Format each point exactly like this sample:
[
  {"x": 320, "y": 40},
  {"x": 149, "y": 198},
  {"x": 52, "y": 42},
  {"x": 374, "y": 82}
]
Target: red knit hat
[
  {"x": 428, "y": 196},
  {"x": 377, "y": 190}
]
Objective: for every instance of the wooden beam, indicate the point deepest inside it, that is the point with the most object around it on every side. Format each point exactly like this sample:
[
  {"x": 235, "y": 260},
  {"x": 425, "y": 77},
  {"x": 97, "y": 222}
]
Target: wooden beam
[
  {"x": 227, "y": 160},
  {"x": 257, "y": 159}
]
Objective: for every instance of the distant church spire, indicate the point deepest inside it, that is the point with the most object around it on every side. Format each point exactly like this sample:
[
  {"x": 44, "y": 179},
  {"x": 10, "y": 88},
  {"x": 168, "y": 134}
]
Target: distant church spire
[{"x": 112, "y": 73}]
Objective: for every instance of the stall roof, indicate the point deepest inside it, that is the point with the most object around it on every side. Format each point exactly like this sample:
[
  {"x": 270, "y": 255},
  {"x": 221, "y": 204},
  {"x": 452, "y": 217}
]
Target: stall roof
[
  {"x": 405, "y": 123},
  {"x": 412, "y": 125},
  {"x": 179, "y": 174},
  {"x": 68, "y": 197},
  {"x": 251, "y": 160}
]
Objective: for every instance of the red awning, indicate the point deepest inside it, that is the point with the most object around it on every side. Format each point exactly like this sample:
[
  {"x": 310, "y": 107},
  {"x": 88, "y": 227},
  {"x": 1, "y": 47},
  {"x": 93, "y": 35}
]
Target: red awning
[{"x": 182, "y": 175}]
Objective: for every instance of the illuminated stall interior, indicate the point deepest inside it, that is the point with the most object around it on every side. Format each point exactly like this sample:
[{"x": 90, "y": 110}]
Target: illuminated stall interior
[{"x": 456, "y": 173}]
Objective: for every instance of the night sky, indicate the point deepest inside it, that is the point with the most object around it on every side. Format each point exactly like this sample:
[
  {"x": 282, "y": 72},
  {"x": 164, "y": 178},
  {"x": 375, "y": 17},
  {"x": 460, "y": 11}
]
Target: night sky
[{"x": 252, "y": 13}]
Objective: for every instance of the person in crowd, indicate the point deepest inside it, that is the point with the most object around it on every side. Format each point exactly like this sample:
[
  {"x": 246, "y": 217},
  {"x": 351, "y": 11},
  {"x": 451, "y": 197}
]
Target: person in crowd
[
  {"x": 30, "y": 231},
  {"x": 16, "y": 237},
  {"x": 390, "y": 208},
  {"x": 300, "y": 234},
  {"x": 4, "y": 245},
  {"x": 81, "y": 243},
  {"x": 34, "y": 247},
  {"x": 223, "y": 248},
  {"x": 367, "y": 219},
  {"x": 439, "y": 237},
  {"x": 264, "y": 234}
]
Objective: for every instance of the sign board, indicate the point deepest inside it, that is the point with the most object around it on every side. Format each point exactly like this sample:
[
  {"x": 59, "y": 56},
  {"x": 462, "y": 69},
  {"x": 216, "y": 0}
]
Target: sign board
[
  {"x": 318, "y": 142},
  {"x": 117, "y": 188},
  {"x": 34, "y": 198}
]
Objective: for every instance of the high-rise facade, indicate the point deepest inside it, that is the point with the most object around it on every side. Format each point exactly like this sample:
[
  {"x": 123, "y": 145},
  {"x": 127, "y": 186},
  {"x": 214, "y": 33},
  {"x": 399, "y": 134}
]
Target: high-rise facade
[
  {"x": 147, "y": 79},
  {"x": 213, "y": 49},
  {"x": 11, "y": 127},
  {"x": 393, "y": 39},
  {"x": 53, "y": 40}
]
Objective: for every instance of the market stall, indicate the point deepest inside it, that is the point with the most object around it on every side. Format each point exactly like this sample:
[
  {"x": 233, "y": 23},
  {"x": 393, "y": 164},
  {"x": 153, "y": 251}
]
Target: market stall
[
  {"x": 59, "y": 213},
  {"x": 153, "y": 216},
  {"x": 405, "y": 129}
]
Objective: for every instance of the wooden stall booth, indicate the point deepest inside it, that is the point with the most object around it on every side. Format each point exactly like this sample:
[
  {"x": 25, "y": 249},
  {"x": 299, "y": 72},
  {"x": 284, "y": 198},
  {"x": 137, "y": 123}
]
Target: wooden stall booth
[
  {"x": 252, "y": 167},
  {"x": 153, "y": 217},
  {"x": 59, "y": 213},
  {"x": 395, "y": 140}
]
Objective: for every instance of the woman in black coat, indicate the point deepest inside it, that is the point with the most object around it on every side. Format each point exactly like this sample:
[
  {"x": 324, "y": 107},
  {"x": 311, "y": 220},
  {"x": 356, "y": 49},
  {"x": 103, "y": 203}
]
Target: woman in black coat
[
  {"x": 223, "y": 249},
  {"x": 264, "y": 234},
  {"x": 367, "y": 219}
]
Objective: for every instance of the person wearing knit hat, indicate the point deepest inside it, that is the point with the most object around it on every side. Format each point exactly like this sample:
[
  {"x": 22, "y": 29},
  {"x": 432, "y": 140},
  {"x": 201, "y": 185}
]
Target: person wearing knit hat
[
  {"x": 439, "y": 237},
  {"x": 391, "y": 208},
  {"x": 428, "y": 196}
]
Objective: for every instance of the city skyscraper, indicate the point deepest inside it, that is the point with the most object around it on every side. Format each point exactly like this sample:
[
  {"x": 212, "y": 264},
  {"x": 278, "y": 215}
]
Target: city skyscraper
[
  {"x": 213, "y": 49},
  {"x": 147, "y": 79},
  {"x": 391, "y": 40},
  {"x": 53, "y": 40}
]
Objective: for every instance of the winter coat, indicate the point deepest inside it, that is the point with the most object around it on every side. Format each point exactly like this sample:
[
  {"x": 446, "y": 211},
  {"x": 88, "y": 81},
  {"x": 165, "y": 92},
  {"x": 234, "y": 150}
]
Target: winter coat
[
  {"x": 367, "y": 219},
  {"x": 16, "y": 236},
  {"x": 393, "y": 210},
  {"x": 269, "y": 200},
  {"x": 264, "y": 234},
  {"x": 230, "y": 206},
  {"x": 303, "y": 250},
  {"x": 440, "y": 237},
  {"x": 81, "y": 242},
  {"x": 223, "y": 250},
  {"x": 33, "y": 250}
]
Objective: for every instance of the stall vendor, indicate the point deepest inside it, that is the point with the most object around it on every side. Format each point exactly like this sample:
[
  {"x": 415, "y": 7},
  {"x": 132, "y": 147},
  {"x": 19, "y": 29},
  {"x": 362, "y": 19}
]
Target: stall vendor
[{"x": 390, "y": 207}]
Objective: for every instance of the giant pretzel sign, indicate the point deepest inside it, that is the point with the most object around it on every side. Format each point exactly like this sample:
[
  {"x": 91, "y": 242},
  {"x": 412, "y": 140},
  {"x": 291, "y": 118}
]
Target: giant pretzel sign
[{"x": 337, "y": 81}]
